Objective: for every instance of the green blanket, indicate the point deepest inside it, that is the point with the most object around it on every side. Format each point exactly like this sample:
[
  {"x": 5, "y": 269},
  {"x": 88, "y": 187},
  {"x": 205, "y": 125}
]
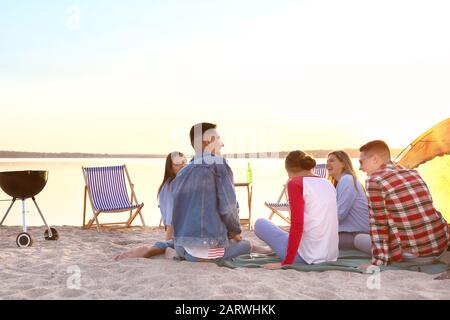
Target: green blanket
[{"x": 349, "y": 261}]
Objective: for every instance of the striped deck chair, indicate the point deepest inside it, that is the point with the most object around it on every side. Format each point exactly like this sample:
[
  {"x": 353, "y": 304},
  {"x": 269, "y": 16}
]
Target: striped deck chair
[
  {"x": 107, "y": 191},
  {"x": 280, "y": 206}
]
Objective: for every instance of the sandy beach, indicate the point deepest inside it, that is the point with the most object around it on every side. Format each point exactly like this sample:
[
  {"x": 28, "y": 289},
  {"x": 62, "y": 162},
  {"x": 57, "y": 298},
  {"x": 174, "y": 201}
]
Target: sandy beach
[{"x": 80, "y": 265}]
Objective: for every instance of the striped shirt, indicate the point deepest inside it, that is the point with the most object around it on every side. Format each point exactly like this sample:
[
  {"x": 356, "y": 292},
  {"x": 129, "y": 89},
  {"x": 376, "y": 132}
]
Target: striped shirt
[{"x": 402, "y": 216}]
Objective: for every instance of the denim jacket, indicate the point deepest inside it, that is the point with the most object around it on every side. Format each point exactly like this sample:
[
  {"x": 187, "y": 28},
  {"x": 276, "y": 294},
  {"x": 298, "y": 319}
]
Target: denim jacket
[{"x": 205, "y": 210}]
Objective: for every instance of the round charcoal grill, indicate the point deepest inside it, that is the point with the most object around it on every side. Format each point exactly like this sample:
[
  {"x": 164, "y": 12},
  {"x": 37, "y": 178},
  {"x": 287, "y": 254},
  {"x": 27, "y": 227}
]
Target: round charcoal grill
[{"x": 23, "y": 185}]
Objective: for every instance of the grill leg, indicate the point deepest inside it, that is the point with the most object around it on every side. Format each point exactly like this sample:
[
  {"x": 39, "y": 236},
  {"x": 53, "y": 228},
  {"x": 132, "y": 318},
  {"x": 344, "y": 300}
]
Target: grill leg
[
  {"x": 43, "y": 219},
  {"x": 7, "y": 212},
  {"x": 24, "y": 215}
]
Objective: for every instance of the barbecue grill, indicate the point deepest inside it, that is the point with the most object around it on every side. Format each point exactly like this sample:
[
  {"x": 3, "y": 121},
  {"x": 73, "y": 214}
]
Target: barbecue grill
[{"x": 23, "y": 185}]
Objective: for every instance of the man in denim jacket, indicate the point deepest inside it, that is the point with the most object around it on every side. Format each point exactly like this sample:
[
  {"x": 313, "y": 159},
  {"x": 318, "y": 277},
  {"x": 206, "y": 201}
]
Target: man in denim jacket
[{"x": 205, "y": 211}]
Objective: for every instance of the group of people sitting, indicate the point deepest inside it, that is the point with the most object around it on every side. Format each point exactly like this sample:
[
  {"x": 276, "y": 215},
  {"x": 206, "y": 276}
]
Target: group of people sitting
[{"x": 392, "y": 218}]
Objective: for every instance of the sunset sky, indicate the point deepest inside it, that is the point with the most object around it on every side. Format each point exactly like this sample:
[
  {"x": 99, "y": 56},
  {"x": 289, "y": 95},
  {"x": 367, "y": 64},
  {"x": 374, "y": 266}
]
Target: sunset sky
[{"x": 133, "y": 76}]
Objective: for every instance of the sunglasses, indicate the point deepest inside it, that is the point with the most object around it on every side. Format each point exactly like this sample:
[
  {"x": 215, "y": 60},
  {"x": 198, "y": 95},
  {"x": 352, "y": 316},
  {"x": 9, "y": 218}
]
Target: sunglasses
[{"x": 361, "y": 161}]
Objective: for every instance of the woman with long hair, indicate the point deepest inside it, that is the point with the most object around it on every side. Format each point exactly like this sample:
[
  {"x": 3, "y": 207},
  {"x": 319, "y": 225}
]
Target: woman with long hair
[
  {"x": 175, "y": 161},
  {"x": 353, "y": 208}
]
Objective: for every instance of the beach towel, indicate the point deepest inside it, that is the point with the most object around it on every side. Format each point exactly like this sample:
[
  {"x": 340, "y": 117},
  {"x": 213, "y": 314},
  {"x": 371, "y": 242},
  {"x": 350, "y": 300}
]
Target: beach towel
[{"x": 348, "y": 260}]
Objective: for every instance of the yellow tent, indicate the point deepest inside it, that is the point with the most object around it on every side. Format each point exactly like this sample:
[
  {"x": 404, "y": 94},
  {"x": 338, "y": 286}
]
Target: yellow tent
[
  {"x": 433, "y": 143},
  {"x": 430, "y": 154}
]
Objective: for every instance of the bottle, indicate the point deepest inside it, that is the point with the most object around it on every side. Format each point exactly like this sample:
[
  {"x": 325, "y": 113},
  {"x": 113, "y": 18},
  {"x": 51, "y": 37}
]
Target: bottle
[{"x": 249, "y": 174}]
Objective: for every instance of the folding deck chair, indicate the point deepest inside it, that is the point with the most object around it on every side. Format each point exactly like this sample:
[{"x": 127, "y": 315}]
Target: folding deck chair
[
  {"x": 107, "y": 191},
  {"x": 280, "y": 206}
]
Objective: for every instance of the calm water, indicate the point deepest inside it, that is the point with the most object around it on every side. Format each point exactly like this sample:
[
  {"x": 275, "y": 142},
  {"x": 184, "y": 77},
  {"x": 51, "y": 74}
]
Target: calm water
[{"x": 61, "y": 201}]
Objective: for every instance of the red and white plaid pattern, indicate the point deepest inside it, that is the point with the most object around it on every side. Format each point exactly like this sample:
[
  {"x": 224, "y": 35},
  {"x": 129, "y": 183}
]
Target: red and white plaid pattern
[{"x": 402, "y": 216}]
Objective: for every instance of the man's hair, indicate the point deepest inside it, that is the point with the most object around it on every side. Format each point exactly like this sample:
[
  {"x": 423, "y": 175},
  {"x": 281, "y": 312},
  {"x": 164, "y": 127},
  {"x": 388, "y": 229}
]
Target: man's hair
[
  {"x": 377, "y": 146},
  {"x": 200, "y": 127}
]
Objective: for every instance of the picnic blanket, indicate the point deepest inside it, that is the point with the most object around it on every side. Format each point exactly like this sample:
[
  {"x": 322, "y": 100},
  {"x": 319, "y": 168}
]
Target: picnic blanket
[{"x": 348, "y": 260}]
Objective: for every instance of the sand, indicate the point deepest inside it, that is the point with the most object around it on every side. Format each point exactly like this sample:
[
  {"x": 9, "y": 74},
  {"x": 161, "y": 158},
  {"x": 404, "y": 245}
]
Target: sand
[{"x": 80, "y": 265}]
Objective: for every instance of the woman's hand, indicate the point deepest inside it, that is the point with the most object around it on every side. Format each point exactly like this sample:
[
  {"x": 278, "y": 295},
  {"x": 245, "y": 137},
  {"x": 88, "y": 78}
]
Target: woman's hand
[{"x": 272, "y": 266}]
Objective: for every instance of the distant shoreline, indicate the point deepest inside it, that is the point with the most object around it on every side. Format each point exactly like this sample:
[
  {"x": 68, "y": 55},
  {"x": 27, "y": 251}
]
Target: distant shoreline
[{"x": 353, "y": 153}]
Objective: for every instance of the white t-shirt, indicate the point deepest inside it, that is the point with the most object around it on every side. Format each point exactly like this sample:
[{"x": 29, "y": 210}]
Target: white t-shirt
[{"x": 320, "y": 239}]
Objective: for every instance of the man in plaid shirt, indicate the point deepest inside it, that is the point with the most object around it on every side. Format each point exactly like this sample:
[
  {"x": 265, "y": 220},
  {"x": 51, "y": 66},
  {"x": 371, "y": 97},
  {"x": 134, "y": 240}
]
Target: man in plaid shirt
[{"x": 403, "y": 220}]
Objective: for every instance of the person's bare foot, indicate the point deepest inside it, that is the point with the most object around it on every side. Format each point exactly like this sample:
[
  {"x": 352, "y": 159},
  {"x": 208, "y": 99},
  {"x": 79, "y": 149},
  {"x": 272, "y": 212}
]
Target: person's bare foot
[{"x": 141, "y": 252}]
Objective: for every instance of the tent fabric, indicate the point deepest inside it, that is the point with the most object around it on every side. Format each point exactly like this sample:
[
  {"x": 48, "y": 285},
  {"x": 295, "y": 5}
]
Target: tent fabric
[{"x": 433, "y": 143}]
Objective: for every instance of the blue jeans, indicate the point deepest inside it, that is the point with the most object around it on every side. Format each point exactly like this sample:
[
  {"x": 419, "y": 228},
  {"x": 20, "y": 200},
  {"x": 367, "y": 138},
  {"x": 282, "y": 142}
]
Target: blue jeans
[
  {"x": 164, "y": 244},
  {"x": 275, "y": 237},
  {"x": 235, "y": 249}
]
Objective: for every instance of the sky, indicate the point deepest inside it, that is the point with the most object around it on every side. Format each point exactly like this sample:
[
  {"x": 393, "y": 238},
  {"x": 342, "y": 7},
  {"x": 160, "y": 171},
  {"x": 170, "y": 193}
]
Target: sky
[{"x": 133, "y": 76}]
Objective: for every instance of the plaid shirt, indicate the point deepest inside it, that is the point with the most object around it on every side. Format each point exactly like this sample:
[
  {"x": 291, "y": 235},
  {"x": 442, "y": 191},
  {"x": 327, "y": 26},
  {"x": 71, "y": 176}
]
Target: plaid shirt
[{"x": 402, "y": 216}]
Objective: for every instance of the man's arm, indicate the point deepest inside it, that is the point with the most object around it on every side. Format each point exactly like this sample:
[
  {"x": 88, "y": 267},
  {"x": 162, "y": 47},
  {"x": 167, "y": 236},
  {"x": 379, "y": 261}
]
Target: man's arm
[
  {"x": 379, "y": 223},
  {"x": 226, "y": 199}
]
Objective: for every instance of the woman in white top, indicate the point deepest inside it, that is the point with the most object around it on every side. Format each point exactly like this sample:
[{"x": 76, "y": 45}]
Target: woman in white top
[{"x": 313, "y": 235}]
